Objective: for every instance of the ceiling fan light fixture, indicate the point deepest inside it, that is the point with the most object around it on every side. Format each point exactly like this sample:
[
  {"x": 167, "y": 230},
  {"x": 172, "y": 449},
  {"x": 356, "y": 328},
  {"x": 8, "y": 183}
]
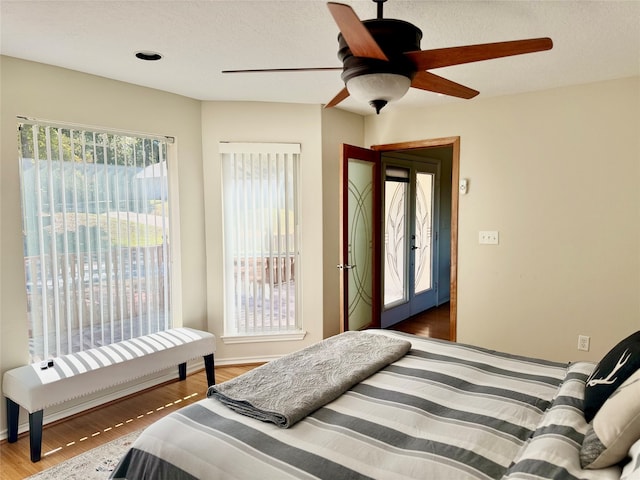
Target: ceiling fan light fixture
[{"x": 378, "y": 89}]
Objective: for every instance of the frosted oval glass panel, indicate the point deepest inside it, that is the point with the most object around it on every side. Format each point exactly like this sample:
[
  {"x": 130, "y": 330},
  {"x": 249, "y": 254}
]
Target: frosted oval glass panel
[
  {"x": 360, "y": 243},
  {"x": 423, "y": 232},
  {"x": 395, "y": 216}
]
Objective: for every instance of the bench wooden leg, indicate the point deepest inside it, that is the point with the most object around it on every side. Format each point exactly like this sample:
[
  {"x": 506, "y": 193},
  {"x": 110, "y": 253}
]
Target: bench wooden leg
[
  {"x": 35, "y": 435},
  {"x": 35, "y": 428},
  {"x": 209, "y": 368},
  {"x": 13, "y": 412}
]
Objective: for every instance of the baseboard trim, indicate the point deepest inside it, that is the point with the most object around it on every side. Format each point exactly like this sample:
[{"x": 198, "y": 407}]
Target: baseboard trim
[{"x": 227, "y": 362}]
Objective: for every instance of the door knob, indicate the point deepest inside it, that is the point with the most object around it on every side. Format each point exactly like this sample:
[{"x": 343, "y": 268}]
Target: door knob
[{"x": 347, "y": 266}]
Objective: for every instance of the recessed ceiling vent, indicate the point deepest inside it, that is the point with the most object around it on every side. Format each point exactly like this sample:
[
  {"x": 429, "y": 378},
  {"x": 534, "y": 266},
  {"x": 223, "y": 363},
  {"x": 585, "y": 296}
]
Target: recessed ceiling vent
[{"x": 148, "y": 56}]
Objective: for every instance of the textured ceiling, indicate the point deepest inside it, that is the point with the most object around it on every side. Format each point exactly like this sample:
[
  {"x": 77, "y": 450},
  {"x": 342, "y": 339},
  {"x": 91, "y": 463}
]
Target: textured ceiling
[{"x": 593, "y": 41}]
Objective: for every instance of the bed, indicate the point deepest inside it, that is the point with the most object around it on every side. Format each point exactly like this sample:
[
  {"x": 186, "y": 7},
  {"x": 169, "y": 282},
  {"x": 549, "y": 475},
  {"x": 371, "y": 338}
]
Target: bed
[{"x": 441, "y": 411}]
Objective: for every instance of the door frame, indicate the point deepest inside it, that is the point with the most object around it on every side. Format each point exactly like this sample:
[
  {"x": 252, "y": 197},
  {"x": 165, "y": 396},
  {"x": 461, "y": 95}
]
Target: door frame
[
  {"x": 453, "y": 142},
  {"x": 373, "y": 157}
]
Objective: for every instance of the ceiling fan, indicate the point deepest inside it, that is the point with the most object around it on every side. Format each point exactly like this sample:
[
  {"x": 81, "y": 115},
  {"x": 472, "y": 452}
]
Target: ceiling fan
[{"x": 382, "y": 59}]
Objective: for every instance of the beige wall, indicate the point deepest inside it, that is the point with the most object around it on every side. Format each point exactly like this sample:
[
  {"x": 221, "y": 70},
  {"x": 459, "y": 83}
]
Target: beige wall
[
  {"x": 338, "y": 127},
  {"x": 35, "y": 90},
  {"x": 265, "y": 122},
  {"x": 557, "y": 174}
]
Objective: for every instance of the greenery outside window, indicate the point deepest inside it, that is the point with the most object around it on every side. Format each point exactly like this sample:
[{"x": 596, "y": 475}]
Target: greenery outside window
[{"x": 95, "y": 209}]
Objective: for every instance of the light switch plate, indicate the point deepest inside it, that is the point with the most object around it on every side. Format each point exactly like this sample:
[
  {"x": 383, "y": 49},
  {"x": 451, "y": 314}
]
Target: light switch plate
[{"x": 488, "y": 237}]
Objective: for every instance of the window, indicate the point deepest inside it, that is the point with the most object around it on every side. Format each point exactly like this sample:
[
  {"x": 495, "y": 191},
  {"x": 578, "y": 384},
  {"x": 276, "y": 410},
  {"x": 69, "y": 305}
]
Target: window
[
  {"x": 260, "y": 196},
  {"x": 96, "y": 233}
]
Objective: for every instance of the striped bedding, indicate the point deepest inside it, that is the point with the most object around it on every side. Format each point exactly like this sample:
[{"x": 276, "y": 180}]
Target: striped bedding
[{"x": 443, "y": 411}]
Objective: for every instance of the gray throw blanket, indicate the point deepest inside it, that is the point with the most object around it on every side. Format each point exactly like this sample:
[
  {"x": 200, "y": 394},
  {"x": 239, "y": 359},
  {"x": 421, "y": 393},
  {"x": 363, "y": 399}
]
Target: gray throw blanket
[{"x": 286, "y": 390}]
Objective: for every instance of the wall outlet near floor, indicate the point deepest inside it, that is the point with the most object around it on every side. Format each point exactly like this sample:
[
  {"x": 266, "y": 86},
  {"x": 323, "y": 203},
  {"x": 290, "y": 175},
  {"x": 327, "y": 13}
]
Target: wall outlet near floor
[
  {"x": 488, "y": 237},
  {"x": 583, "y": 342}
]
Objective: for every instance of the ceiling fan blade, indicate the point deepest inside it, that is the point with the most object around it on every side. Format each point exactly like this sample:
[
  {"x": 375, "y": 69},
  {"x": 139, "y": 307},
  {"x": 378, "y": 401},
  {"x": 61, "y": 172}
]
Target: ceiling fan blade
[
  {"x": 344, "y": 93},
  {"x": 434, "y": 83},
  {"x": 268, "y": 70},
  {"x": 445, "y": 57},
  {"x": 360, "y": 41}
]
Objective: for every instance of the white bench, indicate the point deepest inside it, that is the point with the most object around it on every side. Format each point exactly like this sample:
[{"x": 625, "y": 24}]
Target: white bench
[{"x": 35, "y": 387}]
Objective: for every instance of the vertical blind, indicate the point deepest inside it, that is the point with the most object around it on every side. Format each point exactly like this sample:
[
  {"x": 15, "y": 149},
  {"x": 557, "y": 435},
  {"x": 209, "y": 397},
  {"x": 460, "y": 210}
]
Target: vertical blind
[
  {"x": 260, "y": 196},
  {"x": 96, "y": 232}
]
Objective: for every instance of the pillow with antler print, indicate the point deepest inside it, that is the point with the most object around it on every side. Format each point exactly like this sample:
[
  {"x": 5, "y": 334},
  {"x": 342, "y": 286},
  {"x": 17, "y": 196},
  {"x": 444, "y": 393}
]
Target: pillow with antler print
[
  {"x": 615, "y": 428},
  {"x": 620, "y": 363}
]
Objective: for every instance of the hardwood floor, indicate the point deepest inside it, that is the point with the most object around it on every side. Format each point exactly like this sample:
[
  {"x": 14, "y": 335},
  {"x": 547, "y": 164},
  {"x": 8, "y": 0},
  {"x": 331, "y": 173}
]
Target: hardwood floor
[
  {"x": 78, "y": 434},
  {"x": 433, "y": 323}
]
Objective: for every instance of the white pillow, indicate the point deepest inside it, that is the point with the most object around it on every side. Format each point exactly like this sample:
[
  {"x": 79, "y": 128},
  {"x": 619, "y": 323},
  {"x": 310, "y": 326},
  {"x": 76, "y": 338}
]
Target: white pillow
[
  {"x": 631, "y": 470},
  {"x": 615, "y": 428}
]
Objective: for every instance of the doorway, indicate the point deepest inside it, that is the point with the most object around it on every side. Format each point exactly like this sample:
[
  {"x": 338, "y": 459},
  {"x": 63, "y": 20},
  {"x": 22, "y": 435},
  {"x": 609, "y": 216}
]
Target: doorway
[
  {"x": 410, "y": 228},
  {"x": 361, "y": 238},
  {"x": 445, "y": 153}
]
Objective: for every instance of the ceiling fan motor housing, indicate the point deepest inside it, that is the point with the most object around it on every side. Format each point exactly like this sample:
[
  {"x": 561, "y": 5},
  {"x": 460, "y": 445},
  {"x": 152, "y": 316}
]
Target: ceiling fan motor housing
[{"x": 394, "y": 38}]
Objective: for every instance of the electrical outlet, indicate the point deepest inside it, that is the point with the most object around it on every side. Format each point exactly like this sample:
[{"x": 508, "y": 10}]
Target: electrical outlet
[{"x": 583, "y": 342}]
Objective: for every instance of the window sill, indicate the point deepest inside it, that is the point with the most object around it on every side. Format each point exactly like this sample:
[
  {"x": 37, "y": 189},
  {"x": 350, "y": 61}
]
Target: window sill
[{"x": 272, "y": 337}]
